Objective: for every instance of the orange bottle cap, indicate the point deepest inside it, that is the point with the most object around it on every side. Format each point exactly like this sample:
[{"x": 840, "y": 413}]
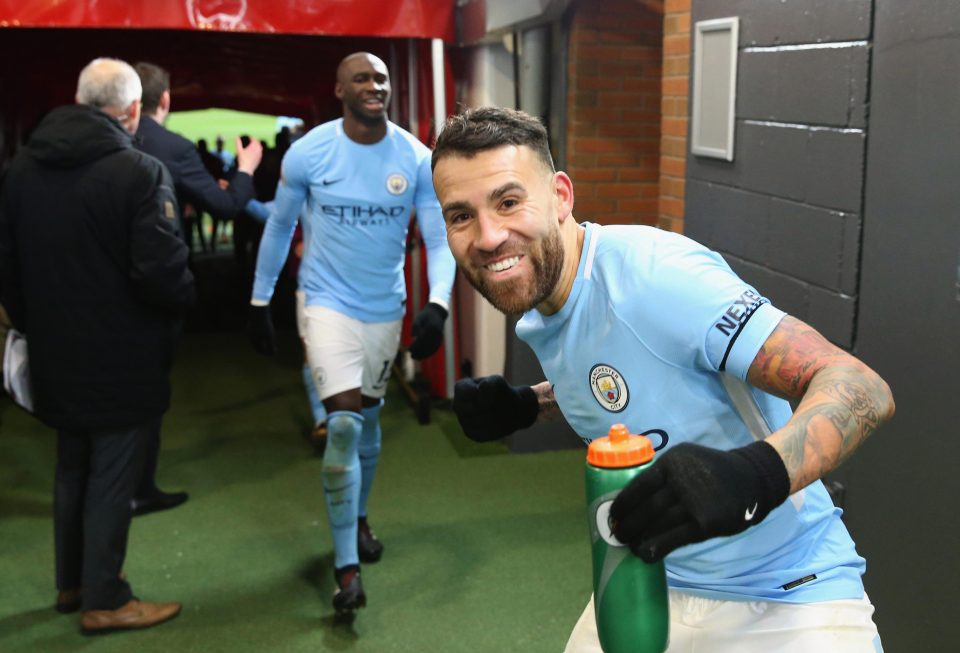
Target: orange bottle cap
[{"x": 620, "y": 448}]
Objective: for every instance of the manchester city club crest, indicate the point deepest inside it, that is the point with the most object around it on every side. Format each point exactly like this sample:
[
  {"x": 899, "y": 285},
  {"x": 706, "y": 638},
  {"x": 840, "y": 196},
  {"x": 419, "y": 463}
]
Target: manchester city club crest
[
  {"x": 609, "y": 388},
  {"x": 320, "y": 375},
  {"x": 397, "y": 183}
]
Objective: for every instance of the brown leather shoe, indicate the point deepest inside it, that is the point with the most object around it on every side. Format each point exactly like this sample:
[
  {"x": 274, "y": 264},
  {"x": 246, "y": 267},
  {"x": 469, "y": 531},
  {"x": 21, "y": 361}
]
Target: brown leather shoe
[{"x": 135, "y": 614}]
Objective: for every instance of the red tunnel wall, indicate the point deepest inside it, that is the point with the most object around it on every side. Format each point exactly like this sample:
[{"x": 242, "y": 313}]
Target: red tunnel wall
[{"x": 264, "y": 73}]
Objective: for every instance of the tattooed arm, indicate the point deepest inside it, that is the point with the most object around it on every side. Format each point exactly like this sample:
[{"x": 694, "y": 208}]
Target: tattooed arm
[
  {"x": 841, "y": 400},
  {"x": 547, "y": 408}
]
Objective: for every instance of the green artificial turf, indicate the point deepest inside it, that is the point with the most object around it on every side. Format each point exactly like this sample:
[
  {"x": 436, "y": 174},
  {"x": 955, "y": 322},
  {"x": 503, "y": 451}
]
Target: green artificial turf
[
  {"x": 208, "y": 123},
  {"x": 486, "y": 551}
]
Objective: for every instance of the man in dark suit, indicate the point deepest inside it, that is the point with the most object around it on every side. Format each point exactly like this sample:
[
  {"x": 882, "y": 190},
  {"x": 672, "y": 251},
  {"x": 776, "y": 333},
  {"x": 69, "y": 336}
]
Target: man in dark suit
[
  {"x": 92, "y": 271},
  {"x": 193, "y": 185}
]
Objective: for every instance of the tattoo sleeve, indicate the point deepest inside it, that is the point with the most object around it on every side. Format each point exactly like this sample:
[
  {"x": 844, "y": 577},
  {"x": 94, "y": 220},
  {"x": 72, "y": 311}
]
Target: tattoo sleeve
[
  {"x": 547, "y": 402},
  {"x": 839, "y": 401}
]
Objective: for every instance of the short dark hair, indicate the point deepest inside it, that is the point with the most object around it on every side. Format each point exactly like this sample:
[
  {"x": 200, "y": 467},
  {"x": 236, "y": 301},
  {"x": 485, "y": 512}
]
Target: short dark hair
[
  {"x": 155, "y": 81},
  {"x": 487, "y": 128}
]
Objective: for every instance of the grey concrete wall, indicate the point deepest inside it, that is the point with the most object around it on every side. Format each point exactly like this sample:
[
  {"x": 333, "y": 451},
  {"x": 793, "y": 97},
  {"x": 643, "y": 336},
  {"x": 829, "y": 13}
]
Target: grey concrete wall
[
  {"x": 902, "y": 484},
  {"x": 787, "y": 211},
  {"x": 818, "y": 129}
]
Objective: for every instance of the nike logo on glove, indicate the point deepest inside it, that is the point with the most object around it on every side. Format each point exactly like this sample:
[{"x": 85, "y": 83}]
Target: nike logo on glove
[
  {"x": 748, "y": 515},
  {"x": 327, "y": 182}
]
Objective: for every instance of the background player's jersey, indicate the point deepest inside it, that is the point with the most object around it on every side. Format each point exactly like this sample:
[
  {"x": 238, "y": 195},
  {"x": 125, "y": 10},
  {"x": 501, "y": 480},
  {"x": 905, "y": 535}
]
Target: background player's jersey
[
  {"x": 652, "y": 320},
  {"x": 358, "y": 204}
]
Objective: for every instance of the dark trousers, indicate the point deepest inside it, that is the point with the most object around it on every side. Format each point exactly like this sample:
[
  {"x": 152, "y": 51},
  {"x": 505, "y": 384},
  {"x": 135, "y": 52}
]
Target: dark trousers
[
  {"x": 147, "y": 483},
  {"x": 97, "y": 473}
]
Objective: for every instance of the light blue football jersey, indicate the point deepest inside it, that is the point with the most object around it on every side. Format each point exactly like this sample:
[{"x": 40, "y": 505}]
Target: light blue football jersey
[
  {"x": 358, "y": 205},
  {"x": 652, "y": 321}
]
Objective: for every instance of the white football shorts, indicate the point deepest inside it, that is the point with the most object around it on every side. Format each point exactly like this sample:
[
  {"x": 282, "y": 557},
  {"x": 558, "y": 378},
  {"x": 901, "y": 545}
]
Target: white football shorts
[
  {"x": 345, "y": 353},
  {"x": 712, "y": 626}
]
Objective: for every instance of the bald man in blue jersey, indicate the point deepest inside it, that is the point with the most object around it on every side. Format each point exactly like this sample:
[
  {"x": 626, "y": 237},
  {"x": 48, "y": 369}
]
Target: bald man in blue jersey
[
  {"x": 360, "y": 177},
  {"x": 645, "y": 327}
]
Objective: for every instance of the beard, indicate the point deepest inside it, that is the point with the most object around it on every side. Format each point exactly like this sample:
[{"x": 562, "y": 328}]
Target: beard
[
  {"x": 358, "y": 111},
  {"x": 519, "y": 295}
]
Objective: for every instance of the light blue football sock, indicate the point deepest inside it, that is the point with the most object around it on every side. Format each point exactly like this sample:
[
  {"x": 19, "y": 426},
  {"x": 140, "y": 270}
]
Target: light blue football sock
[
  {"x": 319, "y": 412},
  {"x": 341, "y": 483},
  {"x": 369, "y": 451}
]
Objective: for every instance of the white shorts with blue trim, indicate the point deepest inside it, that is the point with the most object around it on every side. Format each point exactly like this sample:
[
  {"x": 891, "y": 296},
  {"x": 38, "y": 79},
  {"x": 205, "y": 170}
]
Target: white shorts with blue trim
[{"x": 345, "y": 353}]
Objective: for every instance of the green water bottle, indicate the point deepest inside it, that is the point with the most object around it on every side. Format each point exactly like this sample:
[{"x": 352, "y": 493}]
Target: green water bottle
[{"x": 629, "y": 595}]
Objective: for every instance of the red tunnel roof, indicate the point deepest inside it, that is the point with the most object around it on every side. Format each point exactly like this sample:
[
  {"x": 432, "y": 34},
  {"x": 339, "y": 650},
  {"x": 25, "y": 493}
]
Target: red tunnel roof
[
  {"x": 404, "y": 18},
  {"x": 267, "y": 56}
]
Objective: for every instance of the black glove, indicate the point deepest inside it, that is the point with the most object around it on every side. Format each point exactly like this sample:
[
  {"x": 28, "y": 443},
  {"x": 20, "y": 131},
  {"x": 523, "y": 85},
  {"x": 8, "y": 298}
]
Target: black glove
[
  {"x": 260, "y": 330},
  {"x": 427, "y": 331},
  {"x": 489, "y": 408},
  {"x": 692, "y": 493}
]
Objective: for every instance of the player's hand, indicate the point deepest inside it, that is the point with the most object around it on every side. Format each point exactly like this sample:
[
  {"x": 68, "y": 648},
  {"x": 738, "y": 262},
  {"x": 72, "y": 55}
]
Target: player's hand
[
  {"x": 427, "y": 331},
  {"x": 489, "y": 408},
  {"x": 260, "y": 330},
  {"x": 248, "y": 158},
  {"x": 692, "y": 493}
]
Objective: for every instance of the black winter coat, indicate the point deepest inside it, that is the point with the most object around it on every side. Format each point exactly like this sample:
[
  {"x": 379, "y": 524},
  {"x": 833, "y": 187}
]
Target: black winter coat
[{"x": 92, "y": 271}]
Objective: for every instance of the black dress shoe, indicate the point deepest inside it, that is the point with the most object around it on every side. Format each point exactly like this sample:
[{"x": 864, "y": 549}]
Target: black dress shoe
[{"x": 158, "y": 501}]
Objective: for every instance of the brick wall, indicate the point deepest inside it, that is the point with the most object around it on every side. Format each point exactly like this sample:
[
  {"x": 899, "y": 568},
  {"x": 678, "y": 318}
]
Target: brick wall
[
  {"x": 613, "y": 120},
  {"x": 675, "y": 110}
]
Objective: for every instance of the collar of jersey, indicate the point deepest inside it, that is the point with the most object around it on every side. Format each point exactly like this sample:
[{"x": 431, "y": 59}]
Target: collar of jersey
[{"x": 575, "y": 290}]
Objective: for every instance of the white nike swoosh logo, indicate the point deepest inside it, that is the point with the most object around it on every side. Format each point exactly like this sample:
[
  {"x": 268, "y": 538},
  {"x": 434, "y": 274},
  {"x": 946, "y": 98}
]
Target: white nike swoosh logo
[{"x": 748, "y": 515}]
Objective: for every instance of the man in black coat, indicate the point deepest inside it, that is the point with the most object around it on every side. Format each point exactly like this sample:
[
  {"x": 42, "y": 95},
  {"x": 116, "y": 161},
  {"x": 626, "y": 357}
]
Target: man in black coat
[
  {"x": 193, "y": 184},
  {"x": 95, "y": 275}
]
